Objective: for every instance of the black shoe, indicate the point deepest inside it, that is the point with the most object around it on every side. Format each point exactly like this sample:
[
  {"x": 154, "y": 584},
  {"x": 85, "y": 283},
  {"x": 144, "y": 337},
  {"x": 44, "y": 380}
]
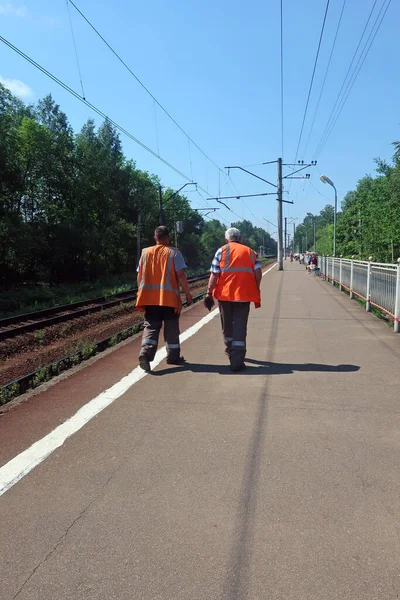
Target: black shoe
[
  {"x": 237, "y": 368},
  {"x": 178, "y": 361},
  {"x": 144, "y": 363}
]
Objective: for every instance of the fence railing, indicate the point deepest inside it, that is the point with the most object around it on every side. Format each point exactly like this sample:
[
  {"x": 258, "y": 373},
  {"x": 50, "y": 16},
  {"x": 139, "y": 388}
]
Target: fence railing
[{"x": 377, "y": 283}]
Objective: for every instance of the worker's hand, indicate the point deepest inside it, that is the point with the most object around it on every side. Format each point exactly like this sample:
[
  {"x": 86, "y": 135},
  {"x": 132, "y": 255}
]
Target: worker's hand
[
  {"x": 189, "y": 298},
  {"x": 209, "y": 301}
]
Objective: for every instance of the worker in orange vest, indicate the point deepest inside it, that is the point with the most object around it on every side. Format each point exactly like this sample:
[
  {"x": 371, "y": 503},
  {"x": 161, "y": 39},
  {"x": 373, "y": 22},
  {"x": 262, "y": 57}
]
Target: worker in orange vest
[
  {"x": 235, "y": 282},
  {"x": 161, "y": 271}
]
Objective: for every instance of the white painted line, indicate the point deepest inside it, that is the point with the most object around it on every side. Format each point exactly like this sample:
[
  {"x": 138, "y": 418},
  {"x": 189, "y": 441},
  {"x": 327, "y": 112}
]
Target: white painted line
[{"x": 27, "y": 460}]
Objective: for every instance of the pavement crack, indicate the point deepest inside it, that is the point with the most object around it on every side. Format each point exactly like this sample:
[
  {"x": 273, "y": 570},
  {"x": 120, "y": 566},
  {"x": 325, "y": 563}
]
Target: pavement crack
[{"x": 66, "y": 532}]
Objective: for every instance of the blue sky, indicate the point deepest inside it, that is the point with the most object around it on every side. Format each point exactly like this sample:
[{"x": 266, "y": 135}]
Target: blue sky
[{"x": 215, "y": 66}]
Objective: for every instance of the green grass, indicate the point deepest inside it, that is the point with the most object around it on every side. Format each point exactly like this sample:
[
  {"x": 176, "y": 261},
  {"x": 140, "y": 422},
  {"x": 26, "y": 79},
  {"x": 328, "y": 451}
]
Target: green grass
[{"x": 29, "y": 299}]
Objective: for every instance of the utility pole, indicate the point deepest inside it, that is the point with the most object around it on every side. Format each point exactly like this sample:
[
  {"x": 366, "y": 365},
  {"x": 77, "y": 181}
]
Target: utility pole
[
  {"x": 301, "y": 166},
  {"x": 160, "y": 206},
  {"x": 280, "y": 247}
]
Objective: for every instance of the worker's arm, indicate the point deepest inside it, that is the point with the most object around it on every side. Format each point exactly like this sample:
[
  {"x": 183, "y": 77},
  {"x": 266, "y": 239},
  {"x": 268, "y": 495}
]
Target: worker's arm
[
  {"x": 181, "y": 275},
  {"x": 212, "y": 282},
  {"x": 258, "y": 275}
]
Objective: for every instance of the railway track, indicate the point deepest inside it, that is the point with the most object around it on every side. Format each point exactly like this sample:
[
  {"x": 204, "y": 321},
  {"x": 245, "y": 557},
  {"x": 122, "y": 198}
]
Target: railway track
[{"x": 21, "y": 324}]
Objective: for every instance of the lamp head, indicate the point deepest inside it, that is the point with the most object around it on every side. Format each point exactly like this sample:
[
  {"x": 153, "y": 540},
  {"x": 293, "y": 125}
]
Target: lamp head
[{"x": 326, "y": 179}]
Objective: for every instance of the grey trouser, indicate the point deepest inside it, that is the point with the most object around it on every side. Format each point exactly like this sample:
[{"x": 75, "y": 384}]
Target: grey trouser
[
  {"x": 234, "y": 317},
  {"x": 154, "y": 317}
]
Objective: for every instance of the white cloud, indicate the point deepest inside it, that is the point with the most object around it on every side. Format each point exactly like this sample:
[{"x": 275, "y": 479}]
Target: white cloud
[
  {"x": 11, "y": 9},
  {"x": 17, "y": 87}
]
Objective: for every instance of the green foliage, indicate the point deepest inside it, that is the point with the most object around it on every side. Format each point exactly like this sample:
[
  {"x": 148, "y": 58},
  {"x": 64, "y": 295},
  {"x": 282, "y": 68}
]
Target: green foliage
[
  {"x": 86, "y": 348},
  {"x": 69, "y": 207},
  {"x": 40, "y": 336},
  {"x": 30, "y": 298},
  {"x": 368, "y": 224},
  {"x": 41, "y": 376},
  {"x": 8, "y": 393}
]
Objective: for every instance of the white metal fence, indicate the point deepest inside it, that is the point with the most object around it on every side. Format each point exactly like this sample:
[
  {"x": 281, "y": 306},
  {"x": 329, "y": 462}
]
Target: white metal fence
[{"x": 377, "y": 283}]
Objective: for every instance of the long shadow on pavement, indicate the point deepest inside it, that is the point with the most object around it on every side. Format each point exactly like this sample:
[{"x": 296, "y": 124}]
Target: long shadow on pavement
[{"x": 260, "y": 367}]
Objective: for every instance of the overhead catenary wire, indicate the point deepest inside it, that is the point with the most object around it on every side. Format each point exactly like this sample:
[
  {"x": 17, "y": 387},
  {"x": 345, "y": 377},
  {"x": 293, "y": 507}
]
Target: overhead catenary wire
[
  {"x": 96, "y": 109},
  {"x": 325, "y": 76},
  {"x": 346, "y": 76},
  {"x": 360, "y": 62},
  {"x": 330, "y": 118},
  {"x": 244, "y": 202},
  {"x": 312, "y": 78},
  {"x": 141, "y": 82},
  {"x": 75, "y": 48}
]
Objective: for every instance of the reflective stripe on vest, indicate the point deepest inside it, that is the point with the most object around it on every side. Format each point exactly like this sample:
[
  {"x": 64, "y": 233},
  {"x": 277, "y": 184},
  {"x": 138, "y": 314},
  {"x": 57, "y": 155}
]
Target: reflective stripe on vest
[
  {"x": 237, "y": 280},
  {"x": 152, "y": 286},
  {"x": 158, "y": 283}
]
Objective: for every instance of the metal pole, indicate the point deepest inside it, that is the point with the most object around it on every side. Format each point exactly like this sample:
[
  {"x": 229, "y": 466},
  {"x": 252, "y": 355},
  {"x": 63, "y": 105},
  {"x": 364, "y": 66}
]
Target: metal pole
[
  {"x": 351, "y": 278},
  {"x": 280, "y": 241},
  {"x": 368, "y": 298},
  {"x": 285, "y": 247},
  {"x": 397, "y": 303},
  {"x": 294, "y": 233},
  {"x": 334, "y": 224},
  {"x": 160, "y": 206},
  {"x": 340, "y": 273}
]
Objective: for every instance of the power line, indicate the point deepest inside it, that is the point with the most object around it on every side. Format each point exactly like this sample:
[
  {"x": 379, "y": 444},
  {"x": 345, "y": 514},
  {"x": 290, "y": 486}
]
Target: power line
[
  {"x": 325, "y": 76},
  {"x": 244, "y": 202},
  {"x": 338, "y": 98},
  {"x": 76, "y": 50},
  {"x": 356, "y": 71},
  {"x": 312, "y": 78},
  {"x": 107, "y": 118},
  {"x": 91, "y": 106},
  {"x": 140, "y": 82}
]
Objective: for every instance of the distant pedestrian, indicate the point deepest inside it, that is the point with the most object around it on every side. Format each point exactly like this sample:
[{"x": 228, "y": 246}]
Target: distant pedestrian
[
  {"x": 235, "y": 282},
  {"x": 161, "y": 271}
]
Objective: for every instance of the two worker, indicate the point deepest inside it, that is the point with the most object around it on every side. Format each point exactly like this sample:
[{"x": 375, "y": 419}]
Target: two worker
[{"x": 234, "y": 281}]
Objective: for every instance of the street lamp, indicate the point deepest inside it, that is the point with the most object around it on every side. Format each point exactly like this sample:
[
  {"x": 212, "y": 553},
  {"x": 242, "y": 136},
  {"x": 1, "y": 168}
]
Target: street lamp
[
  {"x": 313, "y": 218},
  {"x": 302, "y": 226},
  {"x": 326, "y": 179}
]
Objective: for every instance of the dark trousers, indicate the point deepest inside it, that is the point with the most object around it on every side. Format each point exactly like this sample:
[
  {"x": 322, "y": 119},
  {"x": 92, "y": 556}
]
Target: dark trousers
[
  {"x": 154, "y": 317},
  {"x": 234, "y": 317}
]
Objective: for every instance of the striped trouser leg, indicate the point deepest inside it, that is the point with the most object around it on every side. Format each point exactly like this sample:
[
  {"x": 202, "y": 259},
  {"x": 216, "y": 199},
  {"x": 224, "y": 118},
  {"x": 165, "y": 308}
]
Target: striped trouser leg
[
  {"x": 171, "y": 334},
  {"x": 240, "y": 311},
  {"x": 152, "y": 326},
  {"x": 226, "y": 314}
]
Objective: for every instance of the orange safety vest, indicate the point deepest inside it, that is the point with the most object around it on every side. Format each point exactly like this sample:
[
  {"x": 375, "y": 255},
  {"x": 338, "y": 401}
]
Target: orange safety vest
[
  {"x": 158, "y": 283},
  {"x": 237, "y": 282}
]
